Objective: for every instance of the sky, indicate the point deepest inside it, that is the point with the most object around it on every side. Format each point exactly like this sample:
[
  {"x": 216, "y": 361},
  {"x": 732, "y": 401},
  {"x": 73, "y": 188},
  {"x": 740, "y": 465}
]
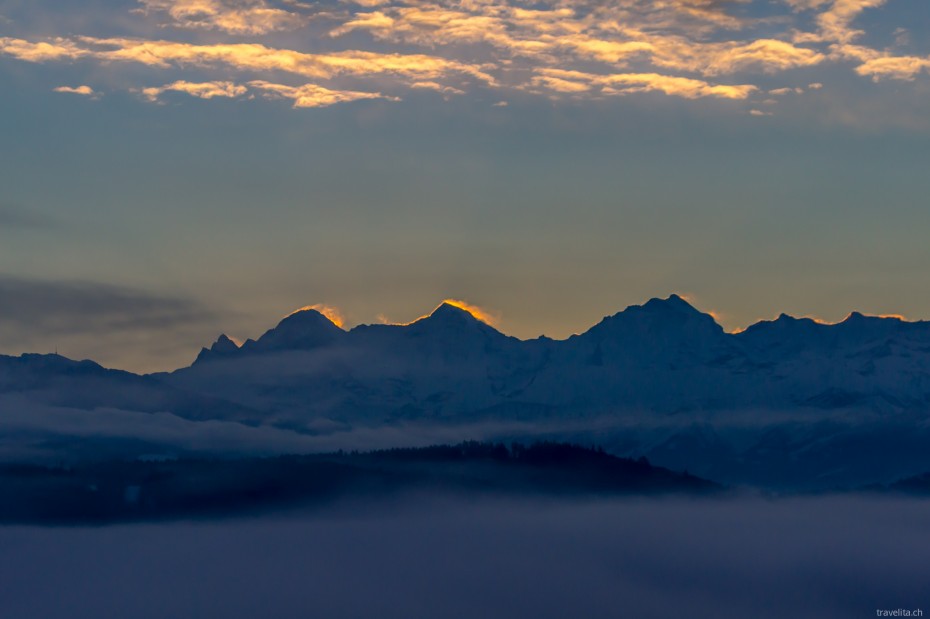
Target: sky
[{"x": 174, "y": 169}]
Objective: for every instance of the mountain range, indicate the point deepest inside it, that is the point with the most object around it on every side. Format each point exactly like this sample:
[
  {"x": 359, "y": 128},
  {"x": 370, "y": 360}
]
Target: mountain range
[{"x": 789, "y": 402}]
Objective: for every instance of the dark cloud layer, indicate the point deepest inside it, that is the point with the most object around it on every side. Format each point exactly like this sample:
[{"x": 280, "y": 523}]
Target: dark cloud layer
[{"x": 70, "y": 306}]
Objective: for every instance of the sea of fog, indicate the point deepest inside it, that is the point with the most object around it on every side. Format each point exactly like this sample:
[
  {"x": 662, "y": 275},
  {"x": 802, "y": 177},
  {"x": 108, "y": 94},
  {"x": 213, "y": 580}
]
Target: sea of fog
[{"x": 817, "y": 557}]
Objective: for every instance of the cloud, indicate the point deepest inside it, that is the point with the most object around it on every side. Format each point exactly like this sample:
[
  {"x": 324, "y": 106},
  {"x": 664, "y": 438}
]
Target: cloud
[
  {"x": 681, "y": 54},
  {"x": 675, "y": 47},
  {"x": 879, "y": 64},
  {"x": 767, "y": 55},
  {"x": 28, "y": 426},
  {"x": 801, "y": 5},
  {"x": 256, "y": 57},
  {"x": 545, "y": 35},
  {"x": 628, "y": 83},
  {"x": 202, "y": 90},
  {"x": 241, "y": 17},
  {"x": 894, "y": 67},
  {"x": 778, "y": 92},
  {"x": 312, "y": 95},
  {"x": 305, "y": 96},
  {"x": 549, "y": 79},
  {"x": 835, "y": 27},
  {"x": 86, "y": 91},
  {"x": 42, "y": 51},
  {"x": 69, "y": 307},
  {"x": 836, "y": 22},
  {"x": 246, "y": 57},
  {"x": 367, "y": 3},
  {"x": 446, "y": 90}
]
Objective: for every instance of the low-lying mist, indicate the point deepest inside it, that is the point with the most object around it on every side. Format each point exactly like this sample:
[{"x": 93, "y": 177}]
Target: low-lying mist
[
  {"x": 784, "y": 451},
  {"x": 845, "y": 556}
]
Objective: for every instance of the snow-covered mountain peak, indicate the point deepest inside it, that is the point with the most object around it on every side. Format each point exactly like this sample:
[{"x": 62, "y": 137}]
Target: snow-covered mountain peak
[
  {"x": 661, "y": 332},
  {"x": 674, "y": 303},
  {"x": 673, "y": 310},
  {"x": 304, "y": 318},
  {"x": 856, "y": 317},
  {"x": 303, "y": 329},
  {"x": 449, "y": 318},
  {"x": 448, "y": 312},
  {"x": 671, "y": 314}
]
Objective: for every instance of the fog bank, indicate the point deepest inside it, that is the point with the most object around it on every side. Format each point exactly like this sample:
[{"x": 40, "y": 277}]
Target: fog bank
[{"x": 819, "y": 557}]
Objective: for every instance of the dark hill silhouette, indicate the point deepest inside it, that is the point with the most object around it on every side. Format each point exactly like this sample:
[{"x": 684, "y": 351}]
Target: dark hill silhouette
[{"x": 120, "y": 491}]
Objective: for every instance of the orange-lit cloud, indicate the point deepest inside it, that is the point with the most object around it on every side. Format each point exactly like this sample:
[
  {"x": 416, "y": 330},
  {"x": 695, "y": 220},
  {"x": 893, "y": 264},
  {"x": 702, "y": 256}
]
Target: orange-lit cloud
[
  {"x": 312, "y": 95},
  {"x": 615, "y": 37},
  {"x": 306, "y": 96},
  {"x": 333, "y": 314},
  {"x": 379, "y": 49},
  {"x": 42, "y": 51},
  {"x": 835, "y": 27},
  {"x": 202, "y": 90},
  {"x": 836, "y": 22},
  {"x": 83, "y": 90},
  {"x": 260, "y": 58},
  {"x": 247, "y": 57},
  {"x": 894, "y": 67},
  {"x": 778, "y": 92},
  {"x": 766, "y": 55},
  {"x": 233, "y": 16},
  {"x": 445, "y": 90},
  {"x": 626, "y": 83}
]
